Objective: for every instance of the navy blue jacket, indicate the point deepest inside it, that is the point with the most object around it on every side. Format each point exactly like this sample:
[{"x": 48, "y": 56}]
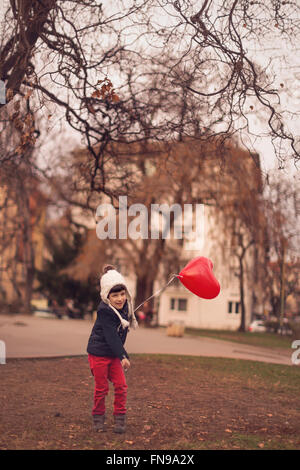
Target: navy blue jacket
[{"x": 108, "y": 337}]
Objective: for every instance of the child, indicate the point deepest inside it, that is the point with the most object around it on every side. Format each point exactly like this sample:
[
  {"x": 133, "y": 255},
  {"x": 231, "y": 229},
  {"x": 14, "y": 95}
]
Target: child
[{"x": 106, "y": 353}]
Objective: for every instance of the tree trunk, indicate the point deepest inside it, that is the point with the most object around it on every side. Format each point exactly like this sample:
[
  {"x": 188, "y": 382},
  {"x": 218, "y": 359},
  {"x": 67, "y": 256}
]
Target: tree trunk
[
  {"x": 146, "y": 278},
  {"x": 242, "y": 280},
  {"x": 31, "y": 23},
  {"x": 242, "y": 300},
  {"x": 144, "y": 289},
  {"x": 13, "y": 275},
  {"x": 282, "y": 289},
  {"x": 28, "y": 244},
  {"x": 30, "y": 274}
]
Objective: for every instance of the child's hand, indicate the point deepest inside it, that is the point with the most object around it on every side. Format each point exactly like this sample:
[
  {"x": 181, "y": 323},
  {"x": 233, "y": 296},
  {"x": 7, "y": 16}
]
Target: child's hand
[{"x": 125, "y": 363}]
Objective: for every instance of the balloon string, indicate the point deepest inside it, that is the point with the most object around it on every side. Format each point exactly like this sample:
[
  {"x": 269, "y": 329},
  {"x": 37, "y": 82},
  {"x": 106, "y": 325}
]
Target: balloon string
[{"x": 160, "y": 290}]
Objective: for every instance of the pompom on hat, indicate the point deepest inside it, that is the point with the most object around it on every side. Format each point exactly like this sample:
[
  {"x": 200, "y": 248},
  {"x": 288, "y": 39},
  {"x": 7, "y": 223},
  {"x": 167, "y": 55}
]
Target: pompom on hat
[{"x": 110, "y": 279}]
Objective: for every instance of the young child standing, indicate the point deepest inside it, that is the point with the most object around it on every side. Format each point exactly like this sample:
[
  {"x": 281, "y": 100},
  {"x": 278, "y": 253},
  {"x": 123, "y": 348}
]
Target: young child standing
[{"x": 106, "y": 353}]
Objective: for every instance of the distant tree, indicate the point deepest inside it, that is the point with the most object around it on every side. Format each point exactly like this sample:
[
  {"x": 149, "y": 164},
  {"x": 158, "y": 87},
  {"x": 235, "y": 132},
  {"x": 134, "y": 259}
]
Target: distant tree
[
  {"x": 55, "y": 281},
  {"x": 240, "y": 218},
  {"x": 281, "y": 205},
  {"x": 22, "y": 214}
]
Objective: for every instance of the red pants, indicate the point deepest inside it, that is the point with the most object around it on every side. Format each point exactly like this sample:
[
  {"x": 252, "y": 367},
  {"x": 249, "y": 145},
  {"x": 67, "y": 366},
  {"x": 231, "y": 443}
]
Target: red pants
[{"x": 104, "y": 369}]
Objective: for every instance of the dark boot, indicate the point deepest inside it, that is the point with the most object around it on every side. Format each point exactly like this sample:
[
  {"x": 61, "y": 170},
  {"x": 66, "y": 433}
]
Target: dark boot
[
  {"x": 99, "y": 423},
  {"x": 120, "y": 424}
]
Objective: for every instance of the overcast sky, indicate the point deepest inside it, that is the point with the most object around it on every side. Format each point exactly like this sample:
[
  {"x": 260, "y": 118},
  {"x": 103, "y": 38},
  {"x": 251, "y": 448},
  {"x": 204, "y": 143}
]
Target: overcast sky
[{"x": 284, "y": 65}]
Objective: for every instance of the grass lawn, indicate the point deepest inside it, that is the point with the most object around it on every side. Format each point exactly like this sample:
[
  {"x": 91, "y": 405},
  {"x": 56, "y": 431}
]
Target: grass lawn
[
  {"x": 174, "y": 402},
  {"x": 268, "y": 340}
]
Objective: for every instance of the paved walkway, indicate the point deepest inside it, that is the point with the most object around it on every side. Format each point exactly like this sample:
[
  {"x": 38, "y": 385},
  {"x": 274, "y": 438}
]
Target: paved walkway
[{"x": 29, "y": 336}]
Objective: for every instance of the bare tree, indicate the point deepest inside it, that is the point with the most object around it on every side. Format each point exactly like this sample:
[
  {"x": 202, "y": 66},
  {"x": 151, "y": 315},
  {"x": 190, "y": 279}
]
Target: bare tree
[
  {"x": 281, "y": 205},
  {"x": 69, "y": 53},
  {"x": 139, "y": 71},
  {"x": 220, "y": 36},
  {"x": 21, "y": 219}
]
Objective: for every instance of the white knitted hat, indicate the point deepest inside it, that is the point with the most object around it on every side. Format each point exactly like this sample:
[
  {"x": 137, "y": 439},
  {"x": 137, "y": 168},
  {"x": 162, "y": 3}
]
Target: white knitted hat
[{"x": 109, "y": 280}]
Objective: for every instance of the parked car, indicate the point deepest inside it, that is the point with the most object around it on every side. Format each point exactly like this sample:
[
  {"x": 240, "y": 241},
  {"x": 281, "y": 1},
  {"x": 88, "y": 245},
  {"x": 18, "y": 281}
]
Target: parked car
[{"x": 257, "y": 326}]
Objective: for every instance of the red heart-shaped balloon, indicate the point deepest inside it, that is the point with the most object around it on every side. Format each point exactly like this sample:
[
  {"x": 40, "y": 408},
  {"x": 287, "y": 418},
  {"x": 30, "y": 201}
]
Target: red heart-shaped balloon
[{"x": 198, "y": 277}]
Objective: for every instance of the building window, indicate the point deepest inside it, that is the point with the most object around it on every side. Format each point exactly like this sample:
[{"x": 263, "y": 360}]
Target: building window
[
  {"x": 233, "y": 307},
  {"x": 178, "y": 304},
  {"x": 182, "y": 304}
]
